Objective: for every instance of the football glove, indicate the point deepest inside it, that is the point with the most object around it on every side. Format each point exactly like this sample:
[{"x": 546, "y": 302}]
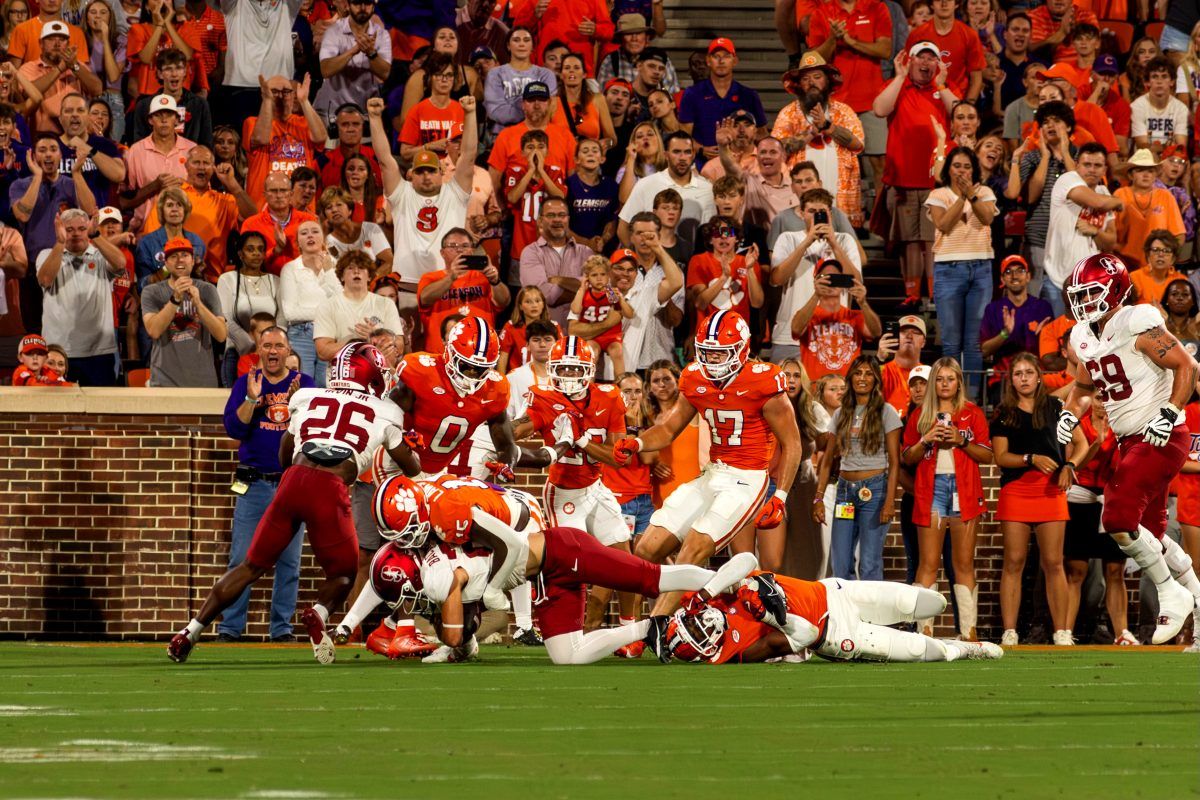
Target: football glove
[
  {"x": 1158, "y": 430},
  {"x": 771, "y": 514},
  {"x": 1066, "y": 426},
  {"x": 564, "y": 430},
  {"x": 625, "y": 448},
  {"x": 414, "y": 440},
  {"x": 501, "y": 472},
  {"x": 753, "y": 604}
]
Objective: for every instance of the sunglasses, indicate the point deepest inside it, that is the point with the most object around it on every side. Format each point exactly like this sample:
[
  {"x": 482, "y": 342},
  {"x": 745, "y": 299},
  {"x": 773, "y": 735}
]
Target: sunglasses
[{"x": 724, "y": 233}]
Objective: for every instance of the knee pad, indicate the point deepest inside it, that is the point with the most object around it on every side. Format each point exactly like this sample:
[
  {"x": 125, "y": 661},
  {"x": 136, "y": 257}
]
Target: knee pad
[
  {"x": 928, "y": 603},
  {"x": 934, "y": 650},
  {"x": 1177, "y": 558}
]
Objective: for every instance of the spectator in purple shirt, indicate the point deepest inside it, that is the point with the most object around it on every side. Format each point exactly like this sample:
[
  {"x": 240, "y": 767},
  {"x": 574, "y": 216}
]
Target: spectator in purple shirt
[
  {"x": 256, "y": 414},
  {"x": 706, "y": 103},
  {"x": 1011, "y": 324},
  {"x": 593, "y": 198}
]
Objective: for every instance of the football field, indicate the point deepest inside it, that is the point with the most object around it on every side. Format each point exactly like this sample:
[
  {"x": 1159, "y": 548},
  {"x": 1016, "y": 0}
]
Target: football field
[{"x": 244, "y": 721}]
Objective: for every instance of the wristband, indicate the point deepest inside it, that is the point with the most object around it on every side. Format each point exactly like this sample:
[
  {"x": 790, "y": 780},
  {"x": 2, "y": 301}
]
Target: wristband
[
  {"x": 371, "y": 57},
  {"x": 1028, "y": 459},
  {"x": 782, "y": 495},
  {"x": 1003, "y": 333},
  {"x": 551, "y": 453},
  {"x": 1069, "y": 465},
  {"x": 249, "y": 399},
  {"x": 1174, "y": 415},
  {"x": 178, "y": 302}
]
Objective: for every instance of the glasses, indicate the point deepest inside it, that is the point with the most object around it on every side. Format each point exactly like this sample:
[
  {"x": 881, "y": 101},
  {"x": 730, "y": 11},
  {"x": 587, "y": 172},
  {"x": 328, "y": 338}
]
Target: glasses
[
  {"x": 281, "y": 92},
  {"x": 458, "y": 246},
  {"x": 1017, "y": 270},
  {"x": 1159, "y": 251}
]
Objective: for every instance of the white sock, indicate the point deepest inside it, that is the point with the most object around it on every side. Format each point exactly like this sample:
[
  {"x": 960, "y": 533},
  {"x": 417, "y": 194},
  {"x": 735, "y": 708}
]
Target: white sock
[
  {"x": 1180, "y": 565},
  {"x": 1148, "y": 554},
  {"x": 405, "y": 625},
  {"x": 194, "y": 629},
  {"x": 682, "y": 578},
  {"x": 628, "y": 620},
  {"x": 731, "y": 573},
  {"x": 322, "y": 612},
  {"x": 578, "y": 647},
  {"x": 522, "y": 603},
  {"x": 389, "y": 623}
]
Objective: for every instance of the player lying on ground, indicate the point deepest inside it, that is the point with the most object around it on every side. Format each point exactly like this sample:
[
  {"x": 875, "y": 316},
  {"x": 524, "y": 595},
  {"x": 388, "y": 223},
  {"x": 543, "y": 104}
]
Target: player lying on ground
[
  {"x": 769, "y": 616},
  {"x": 402, "y": 515},
  {"x": 748, "y": 413},
  {"x": 562, "y": 563},
  {"x": 331, "y": 436},
  {"x": 1122, "y": 355}
]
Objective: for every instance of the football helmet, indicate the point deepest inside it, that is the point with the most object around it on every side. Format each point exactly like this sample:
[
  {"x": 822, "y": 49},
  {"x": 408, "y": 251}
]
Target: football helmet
[
  {"x": 359, "y": 367},
  {"x": 400, "y": 511},
  {"x": 472, "y": 351},
  {"x": 450, "y": 516},
  {"x": 396, "y": 578},
  {"x": 1098, "y": 284},
  {"x": 575, "y": 355},
  {"x": 695, "y": 637},
  {"x": 722, "y": 345}
]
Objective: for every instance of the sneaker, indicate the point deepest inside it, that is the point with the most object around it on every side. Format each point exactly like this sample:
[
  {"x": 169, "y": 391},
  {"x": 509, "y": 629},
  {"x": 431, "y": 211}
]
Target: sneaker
[
  {"x": 1175, "y": 605},
  {"x": 1009, "y": 639},
  {"x": 526, "y": 636},
  {"x": 286, "y": 638},
  {"x": 1194, "y": 647},
  {"x": 972, "y": 651},
  {"x": 409, "y": 644},
  {"x": 380, "y": 638},
  {"x": 656, "y": 638},
  {"x": 322, "y": 642},
  {"x": 772, "y": 597},
  {"x": 180, "y": 647},
  {"x": 226, "y": 638},
  {"x": 468, "y": 652},
  {"x": 925, "y": 627},
  {"x": 439, "y": 656},
  {"x": 1063, "y": 638},
  {"x": 633, "y": 650},
  {"x": 1126, "y": 639}
]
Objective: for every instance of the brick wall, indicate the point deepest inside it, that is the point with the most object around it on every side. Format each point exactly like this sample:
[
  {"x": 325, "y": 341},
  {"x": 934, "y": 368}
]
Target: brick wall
[{"x": 115, "y": 525}]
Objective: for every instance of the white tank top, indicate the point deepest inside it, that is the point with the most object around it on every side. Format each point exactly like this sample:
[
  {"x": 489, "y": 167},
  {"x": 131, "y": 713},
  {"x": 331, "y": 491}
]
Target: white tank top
[{"x": 1132, "y": 387}]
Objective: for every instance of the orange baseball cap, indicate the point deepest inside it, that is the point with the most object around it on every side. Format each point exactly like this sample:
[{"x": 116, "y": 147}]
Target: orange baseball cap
[
  {"x": 1060, "y": 71},
  {"x": 721, "y": 43},
  {"x": 624, "y": 254},
  {"x": 177, "y": 245},
  {"x": 425, "y": 159},
  {"x": 33, "y": 344}
]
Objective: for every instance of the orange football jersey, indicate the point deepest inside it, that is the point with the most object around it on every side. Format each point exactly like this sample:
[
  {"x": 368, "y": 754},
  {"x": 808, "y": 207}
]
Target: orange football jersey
[
  {"x": 443, "y": 418},
  {"x": 472, "y": 493},
  {"x": 741, "y": 437},
  {"x": 805, "y": 599},
  {"x": 601, "y": 411}
]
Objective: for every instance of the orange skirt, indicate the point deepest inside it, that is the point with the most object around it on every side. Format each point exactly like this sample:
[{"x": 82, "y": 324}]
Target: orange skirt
[
  {"x": 1033, "y": 498},
  {"x": 1187, "y": 498}
]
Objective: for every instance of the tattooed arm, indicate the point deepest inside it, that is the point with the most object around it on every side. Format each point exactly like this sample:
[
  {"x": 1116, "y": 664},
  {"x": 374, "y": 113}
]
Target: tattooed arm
[{"x": 1161, "y": 347}]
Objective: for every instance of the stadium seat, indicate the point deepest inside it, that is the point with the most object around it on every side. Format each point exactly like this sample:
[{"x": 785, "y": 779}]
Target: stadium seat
[
  {"x": 1154, "y": 30},
  {"x": 137, "y": 377},
  {"x": 1122, "y": 31}
]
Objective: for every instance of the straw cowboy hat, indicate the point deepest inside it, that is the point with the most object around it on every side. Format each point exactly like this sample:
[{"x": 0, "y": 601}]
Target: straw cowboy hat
[{"x": 810, "y": 60}]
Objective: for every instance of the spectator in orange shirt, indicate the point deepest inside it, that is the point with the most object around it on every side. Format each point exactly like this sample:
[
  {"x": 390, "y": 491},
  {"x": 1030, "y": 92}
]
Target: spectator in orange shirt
[
  {"x": 578, "y": 24},
  {"x": 147, "y": 39},
  {"x": 720, "y": 279},
  {"x": 907, "y": 342},
  {"x": 279, "y": 139},
  {"x": 1054, "y": 24},
  {"x": 431, "y": 123},
  {"x": 33, "y": 370},
  {"x": 57, "y": 74},
  {"x": 1147, "y": 209},
  {"x": 1151, "y": 281},
  {"x": 961, "y": 49},
  {"x": 23, "y": 41},
  {"x": 1088, "y": 116},
  {"x": 460, "y": 287},
  {"x": 830, "y": 334},
  {"x": 278, "y": 223}
]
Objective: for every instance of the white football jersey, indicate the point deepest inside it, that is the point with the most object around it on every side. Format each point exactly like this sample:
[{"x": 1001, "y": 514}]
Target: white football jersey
[
  {"x": 438, "y": 563},
  {"x": 346, "y": 418},
  {"x": 420, "y": 222},
  {"x": 1132, "y": 387}
]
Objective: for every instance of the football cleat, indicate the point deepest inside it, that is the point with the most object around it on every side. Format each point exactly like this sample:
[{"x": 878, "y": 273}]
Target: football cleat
[
  {"x": 180, "y": 647},
  {"x": 1175, "y": 605},
  {"x": 772, "y": 597},
  {"x": 341, "y": 635},
  {"x": 322, "y": 642},
  {"x": 379, "y": 639},
  {"x": 632, "y": 650},
  {"x": 973, "y": 651},
  {"x": 409, "y": 644},
  {"x": 656, "y": 638},
  {"x": 446, "y": 654},
  {"x": 528, "y": 637}
]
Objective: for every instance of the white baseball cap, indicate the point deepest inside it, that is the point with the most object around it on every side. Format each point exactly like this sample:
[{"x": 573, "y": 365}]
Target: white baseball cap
[
  {"x": 920, "y": 47},
  {"x": 55, "y": 28},
  {"x": 107, "y": 213},
  {"x": 919, "y": 371},
  {"x": 163, "y": 102}
]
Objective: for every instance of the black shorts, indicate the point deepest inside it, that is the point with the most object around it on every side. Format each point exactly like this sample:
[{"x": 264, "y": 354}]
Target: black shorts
[{"x": 1084, "y": 541}]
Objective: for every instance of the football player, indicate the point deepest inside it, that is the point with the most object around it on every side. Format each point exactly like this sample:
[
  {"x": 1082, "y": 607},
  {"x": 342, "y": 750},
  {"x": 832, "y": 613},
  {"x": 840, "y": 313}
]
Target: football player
[
  {"x": 748, "y": 414},
  {"x": 771, "y": 616},
  {"x": 330, "y": 438},
  {"x": 1122, "y": 355},
  {"x": 563, "y": 562},
  {"x": 573, "y": 495},
  {"x": 445, "y": 398}
]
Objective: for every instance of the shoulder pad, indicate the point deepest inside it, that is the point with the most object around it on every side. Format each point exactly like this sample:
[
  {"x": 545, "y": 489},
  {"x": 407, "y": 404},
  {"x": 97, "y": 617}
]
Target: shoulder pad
[
  {"x": 607, "y": 388},
  {"x": 426, "y": 359},
  {"x": 1143, "y": 317}
]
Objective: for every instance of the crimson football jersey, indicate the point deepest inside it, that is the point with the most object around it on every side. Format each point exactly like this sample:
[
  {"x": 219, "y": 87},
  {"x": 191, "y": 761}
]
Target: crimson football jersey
[
  {"x": 601, "y": 411},
  {"x": 741, "y": 437},
  {"x": 445, "y": 419}
]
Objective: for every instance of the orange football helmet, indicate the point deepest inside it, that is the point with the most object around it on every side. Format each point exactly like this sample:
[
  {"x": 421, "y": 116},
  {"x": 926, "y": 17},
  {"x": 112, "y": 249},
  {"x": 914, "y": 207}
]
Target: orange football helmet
[
  {"x": 722, "y": 345},
  {"x": 472, "y": 350},
  {"x": 574, "y": 354},
  {"x": 401, "y": 512}
]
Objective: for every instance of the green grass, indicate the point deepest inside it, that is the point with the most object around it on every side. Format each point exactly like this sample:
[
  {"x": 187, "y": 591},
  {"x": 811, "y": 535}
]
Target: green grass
[{"x": 270, "y": 722}]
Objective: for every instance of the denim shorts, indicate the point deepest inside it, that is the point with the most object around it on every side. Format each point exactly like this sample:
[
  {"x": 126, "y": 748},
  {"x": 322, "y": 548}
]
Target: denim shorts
[
  {"x": 638, "y": 511},
  {"x": 1173, "y": 39},
  {"x": 945, "y": 488}
]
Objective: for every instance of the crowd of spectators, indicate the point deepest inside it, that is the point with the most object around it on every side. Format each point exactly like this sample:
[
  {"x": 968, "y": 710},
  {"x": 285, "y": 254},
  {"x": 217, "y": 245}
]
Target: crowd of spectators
[{"x": 184, "y": 178}]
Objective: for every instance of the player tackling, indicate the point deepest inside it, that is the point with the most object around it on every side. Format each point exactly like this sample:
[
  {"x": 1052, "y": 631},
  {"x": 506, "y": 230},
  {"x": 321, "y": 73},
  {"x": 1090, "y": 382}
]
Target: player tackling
[
  {"x": 330, "y": 438},
  {"x": 1122, "y": 355}
]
